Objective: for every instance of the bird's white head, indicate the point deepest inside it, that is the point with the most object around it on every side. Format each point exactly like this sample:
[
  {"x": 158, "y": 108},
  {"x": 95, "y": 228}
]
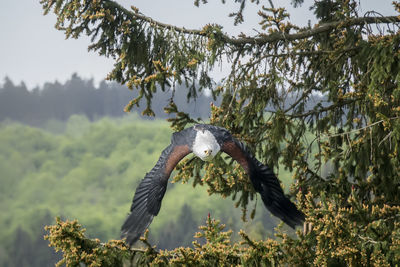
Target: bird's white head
[{"x": 205, "y": 145}]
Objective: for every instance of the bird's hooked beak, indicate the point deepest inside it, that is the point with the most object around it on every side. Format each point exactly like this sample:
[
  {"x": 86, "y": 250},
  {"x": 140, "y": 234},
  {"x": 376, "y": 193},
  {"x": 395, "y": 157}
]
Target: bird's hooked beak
[
  {"x": 208, "y": 152},
  {"x": 208, "y": 155}
]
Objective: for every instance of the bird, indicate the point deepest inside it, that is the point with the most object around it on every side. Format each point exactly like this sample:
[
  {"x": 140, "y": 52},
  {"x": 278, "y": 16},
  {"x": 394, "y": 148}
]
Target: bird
[{"x": 205, "y": 141}]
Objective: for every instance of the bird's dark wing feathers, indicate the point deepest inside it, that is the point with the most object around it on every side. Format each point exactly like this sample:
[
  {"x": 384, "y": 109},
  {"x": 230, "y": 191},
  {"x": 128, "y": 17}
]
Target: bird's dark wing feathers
[
  {"x": 265, "y": 183},
  {"x": 148, "y": 196}
]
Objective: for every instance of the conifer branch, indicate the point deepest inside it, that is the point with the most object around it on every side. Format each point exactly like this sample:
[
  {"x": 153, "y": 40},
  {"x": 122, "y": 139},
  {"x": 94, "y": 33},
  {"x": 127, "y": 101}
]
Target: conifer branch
[
  {"x": 137, "y": 16},
  {"x": 324, "y": 109},
  {"x": 325, "y": 27},
  {"x": 360, "y": 129},
  {"x": 262, "y": 38}
]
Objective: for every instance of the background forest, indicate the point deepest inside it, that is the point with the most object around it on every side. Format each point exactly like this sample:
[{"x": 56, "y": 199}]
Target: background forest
[{"x": 86, "y": 167}]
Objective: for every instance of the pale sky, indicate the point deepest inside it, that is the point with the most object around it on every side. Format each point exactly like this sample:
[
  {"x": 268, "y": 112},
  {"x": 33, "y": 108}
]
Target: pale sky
[{"x": 33, "y": 51}]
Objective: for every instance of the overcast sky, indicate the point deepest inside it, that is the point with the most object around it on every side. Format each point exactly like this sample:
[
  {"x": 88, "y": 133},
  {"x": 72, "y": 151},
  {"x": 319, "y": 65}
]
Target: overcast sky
[{"x": 33, "y": 51}]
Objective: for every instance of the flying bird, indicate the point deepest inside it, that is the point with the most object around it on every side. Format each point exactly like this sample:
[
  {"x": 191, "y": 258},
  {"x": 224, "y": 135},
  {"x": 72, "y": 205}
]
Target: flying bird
[{"x": 205, "y": 141}]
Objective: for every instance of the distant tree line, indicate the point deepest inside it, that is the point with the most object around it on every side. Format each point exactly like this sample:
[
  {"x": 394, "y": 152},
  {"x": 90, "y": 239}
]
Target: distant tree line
[{"x": 55, "y": 100}]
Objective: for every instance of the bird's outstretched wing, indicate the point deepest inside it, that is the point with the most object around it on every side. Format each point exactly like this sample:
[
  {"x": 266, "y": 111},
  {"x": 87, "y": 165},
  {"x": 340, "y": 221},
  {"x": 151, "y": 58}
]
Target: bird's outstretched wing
[
  {"x": 264, "y": 182},
  {"x": 147, "y": 200}
]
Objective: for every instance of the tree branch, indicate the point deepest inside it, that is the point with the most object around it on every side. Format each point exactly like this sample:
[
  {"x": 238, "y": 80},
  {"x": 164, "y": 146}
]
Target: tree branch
[
  {"x": 360, "y": 129},
  {"x": 325, "y": 27},
  {"x": 137, "y": 16},
  {"x": 262, "y": 38},
  {"x": 324, "y": 109}
]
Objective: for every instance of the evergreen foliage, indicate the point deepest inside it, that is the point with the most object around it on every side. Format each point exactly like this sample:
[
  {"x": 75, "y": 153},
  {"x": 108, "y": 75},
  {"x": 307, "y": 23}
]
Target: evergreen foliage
[{"x": 345, "y": 57}]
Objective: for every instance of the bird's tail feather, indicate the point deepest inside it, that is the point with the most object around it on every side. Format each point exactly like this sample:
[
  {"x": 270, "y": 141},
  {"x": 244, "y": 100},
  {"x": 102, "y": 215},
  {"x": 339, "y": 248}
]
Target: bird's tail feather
[{"x": 133, "y": 227}]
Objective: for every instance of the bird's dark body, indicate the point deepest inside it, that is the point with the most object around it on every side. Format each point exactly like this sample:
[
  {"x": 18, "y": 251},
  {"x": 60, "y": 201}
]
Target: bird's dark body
[{"x": 148, "y": 196}]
